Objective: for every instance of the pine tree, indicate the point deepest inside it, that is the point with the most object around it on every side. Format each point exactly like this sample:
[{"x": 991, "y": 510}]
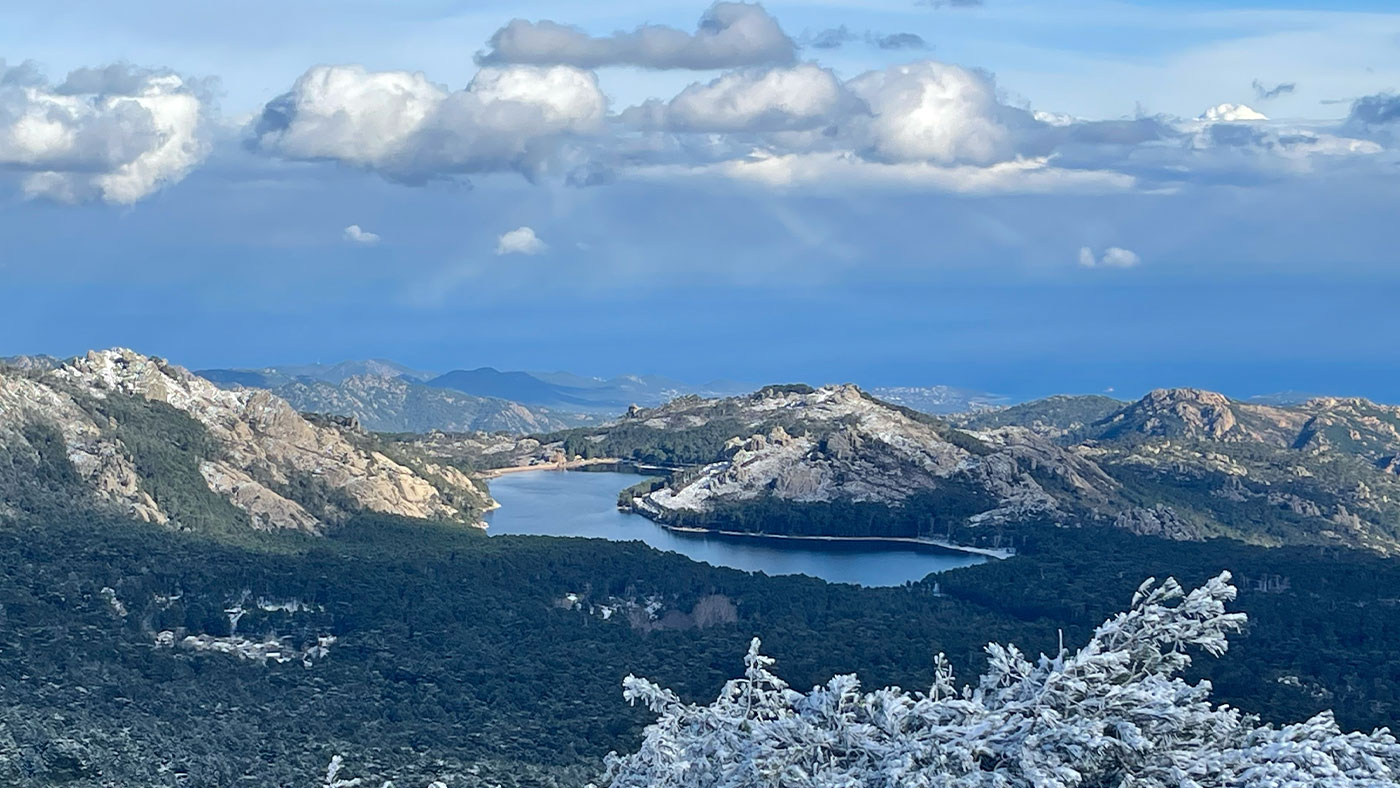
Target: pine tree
[{"x": 1114, "y": 713}]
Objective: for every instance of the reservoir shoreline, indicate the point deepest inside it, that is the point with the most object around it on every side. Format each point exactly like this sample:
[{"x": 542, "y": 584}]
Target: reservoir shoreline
[
  {"x": 986, "y": 552},
  {"x": 585, "y": 504}
]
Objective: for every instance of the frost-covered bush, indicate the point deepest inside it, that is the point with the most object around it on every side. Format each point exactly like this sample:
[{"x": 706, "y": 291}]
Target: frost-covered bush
[{"x": 1115, "y": 713}]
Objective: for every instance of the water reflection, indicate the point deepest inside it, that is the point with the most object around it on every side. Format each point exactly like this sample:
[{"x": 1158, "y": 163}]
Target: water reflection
[{"x": 553, "y": 503}]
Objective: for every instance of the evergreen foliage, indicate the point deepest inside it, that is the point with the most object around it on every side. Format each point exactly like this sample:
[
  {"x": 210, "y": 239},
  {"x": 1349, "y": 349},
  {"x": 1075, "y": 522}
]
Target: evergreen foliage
[{"x": 1116, "y": 712}]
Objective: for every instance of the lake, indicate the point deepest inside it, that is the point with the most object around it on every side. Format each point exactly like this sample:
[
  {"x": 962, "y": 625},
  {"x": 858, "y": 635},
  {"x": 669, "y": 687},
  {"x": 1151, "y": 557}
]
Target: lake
[{"x": 579, "y": 503}]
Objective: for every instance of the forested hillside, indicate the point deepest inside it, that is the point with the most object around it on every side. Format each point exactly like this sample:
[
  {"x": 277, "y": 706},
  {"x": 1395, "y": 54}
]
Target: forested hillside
[{"x": 422, "y": 650}]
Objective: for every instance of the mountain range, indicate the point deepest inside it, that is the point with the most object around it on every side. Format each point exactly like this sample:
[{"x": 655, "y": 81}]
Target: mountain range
[
  {"x": 837, "y": 461},
  {"x": 388, "y": 397},
  {"x": 136, "y": 435}
]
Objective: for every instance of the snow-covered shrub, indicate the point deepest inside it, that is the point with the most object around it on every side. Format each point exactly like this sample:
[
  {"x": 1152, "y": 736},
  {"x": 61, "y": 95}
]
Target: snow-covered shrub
[{"x": 1115, "y": 713}]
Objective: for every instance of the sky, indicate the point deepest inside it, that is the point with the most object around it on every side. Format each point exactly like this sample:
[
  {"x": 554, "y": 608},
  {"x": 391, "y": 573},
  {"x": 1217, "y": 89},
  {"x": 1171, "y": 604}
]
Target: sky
[{"x": 1019, "y": 197}]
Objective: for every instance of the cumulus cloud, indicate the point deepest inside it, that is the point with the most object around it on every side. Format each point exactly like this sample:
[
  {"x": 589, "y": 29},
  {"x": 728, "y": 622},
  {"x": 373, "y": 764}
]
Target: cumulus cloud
[
  {"x": 356, "y": 235},
  {"x": 521, "y": 240},
  {"x": 1264, "y": 93},
  {"x": 729, "y": 35},
  {"x": 939, "y": 126},
  {"x": 931, "y": 111},
  {"x": 117, "y": 133},
  {"x": 408, "y": 128},
  {"x": 1112, "y": 257},
  {"x": 535, "y": 109},
  {"x": 779, "y": 99}
]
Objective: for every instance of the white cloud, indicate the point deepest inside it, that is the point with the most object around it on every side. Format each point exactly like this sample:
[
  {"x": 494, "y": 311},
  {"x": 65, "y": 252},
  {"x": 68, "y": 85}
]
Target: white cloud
[
  {"x": 116, "y": 134},
  {"x": 931, "y": 111},
  {"x": 801, "y": 97},
  {"x": 922, "y": 125},
  {"x": 729, "y": 35},
  {"x": 1113, "y": 257},
  {"x": 354, "y": 234},
  {"x": 521, "y": 240},
  {"x": 405, "y": 127},
  {"x": 1231, "y": 113}
]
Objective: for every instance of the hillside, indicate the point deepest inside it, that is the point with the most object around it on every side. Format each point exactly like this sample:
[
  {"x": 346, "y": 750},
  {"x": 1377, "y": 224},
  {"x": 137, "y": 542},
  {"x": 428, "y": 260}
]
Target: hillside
[
  {"x": 835, "y": 461},
  {"x": 1182, "y": 463},
  {"x": 135, "y": 436},
  {"x": 1059, "y": 416}
]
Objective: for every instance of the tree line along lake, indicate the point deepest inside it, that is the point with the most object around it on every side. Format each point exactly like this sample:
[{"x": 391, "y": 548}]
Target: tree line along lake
[{"x": 584, "y": 504}]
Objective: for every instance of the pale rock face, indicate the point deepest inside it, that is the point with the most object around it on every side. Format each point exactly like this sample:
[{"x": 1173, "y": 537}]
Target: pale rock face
[
  {"x": 1156, "y": 520},
  {"x": 1205, "y": 412},
  {"x": 851, "y": 448},
  {"x": 261, "y": 436},
  {"x": 99, "y": 461},
  {"x": 266, "y": 509}
]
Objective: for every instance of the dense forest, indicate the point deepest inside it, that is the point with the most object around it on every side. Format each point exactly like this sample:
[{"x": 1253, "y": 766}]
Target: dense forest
[{"x": 460, "y": 655}]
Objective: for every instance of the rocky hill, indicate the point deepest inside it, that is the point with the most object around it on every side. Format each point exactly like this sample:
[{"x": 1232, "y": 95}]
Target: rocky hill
[
  {"x": 1186, "y": 413},
  {"x": 1057, "y": 416},
  {"x": 837, "y": 461},
  {"x": 134, "y": 435},
  {"x": 1183, "y": 463}
]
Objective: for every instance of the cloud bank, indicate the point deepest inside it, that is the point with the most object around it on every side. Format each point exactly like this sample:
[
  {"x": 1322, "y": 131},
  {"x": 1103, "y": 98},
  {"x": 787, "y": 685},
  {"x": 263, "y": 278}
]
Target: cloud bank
[{"x": 535, "y": 108}]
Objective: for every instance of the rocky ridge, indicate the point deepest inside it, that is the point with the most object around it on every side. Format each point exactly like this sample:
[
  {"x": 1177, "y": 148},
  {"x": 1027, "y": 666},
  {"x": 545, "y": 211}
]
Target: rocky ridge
[
  {"x": 265, "y": 449},
  {"x": 1179, "y": 463},
  {"x": 836, "y": 443}
]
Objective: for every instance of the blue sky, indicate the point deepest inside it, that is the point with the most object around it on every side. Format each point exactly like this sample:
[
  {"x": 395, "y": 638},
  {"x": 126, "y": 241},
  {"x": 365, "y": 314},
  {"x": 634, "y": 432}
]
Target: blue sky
[{"x": 1027, "y": 203}]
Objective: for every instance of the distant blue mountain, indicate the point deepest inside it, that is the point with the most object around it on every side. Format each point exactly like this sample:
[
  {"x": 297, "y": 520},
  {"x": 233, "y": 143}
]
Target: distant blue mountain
[
  {"x": 563, "y": 390},
  {"x": 252, "y": 379},
  {"x": 388, "y": 396},
  {"x": 519, "y": 387}
]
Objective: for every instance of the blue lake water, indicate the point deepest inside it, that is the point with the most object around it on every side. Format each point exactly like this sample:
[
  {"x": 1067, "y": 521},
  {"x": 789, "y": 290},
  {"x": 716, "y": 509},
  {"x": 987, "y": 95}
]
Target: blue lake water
[{"x": 554, "y": 503}]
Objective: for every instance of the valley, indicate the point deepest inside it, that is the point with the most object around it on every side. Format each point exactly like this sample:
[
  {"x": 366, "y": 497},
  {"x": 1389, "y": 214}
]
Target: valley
[
  {"x": 918, "y": 394},
  {"x": 210, "y": 562}
]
